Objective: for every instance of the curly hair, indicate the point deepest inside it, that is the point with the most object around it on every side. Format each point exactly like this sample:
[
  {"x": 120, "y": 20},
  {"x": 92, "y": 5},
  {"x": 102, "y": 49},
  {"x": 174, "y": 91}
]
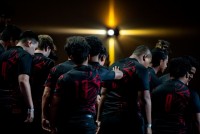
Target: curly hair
[
  {"x": 79, "y": 49},
  {"x": 96, "y": 45}
]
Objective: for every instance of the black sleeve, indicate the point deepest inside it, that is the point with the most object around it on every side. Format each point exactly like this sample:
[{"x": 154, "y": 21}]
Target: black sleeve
[
  {"x": 143, "y": 75},
  {"x": 25, "y": 64},
  {"x": 195, "y": 100}
]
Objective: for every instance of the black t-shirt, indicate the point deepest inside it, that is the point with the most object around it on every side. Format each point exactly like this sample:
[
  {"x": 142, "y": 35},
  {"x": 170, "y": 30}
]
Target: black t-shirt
[
  {"x": 193, "y": 109},
  {"x": 78, "y": 90},
  {"x": 122, "y": 94},
  {"x": 56, "y": 71},
  {"x": 13, "y": 62},
  {"x": 164, "y": 78},
  {"x": 104, "y": 72},
  {"x": 1, "y": 49},
  {"x": 40, "y": 70},
  {"x": 195, "y": 102},
  {"x": 170, "y": 102},
  {"x": 154, "y": 80}
]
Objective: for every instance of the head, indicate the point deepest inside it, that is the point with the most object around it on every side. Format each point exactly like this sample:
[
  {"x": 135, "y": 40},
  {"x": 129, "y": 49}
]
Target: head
[
  {"x": 46, "y": 44},
  {"x": 159, "y": 59},
  {"x": 68, "y": 47},
  {"x": 164, "y": 45},
  {"x": 103, "y": 56},
  {"x": 179, "y": 68},
  {"x": 143, "y": 54},
  {"x": 10, "y": 35},
  {"x": 194, "y": 65},
  {"x": 29, "y": 41},
  {"x": 79, "y": 49},
  {"x": 95, "y": 44}
]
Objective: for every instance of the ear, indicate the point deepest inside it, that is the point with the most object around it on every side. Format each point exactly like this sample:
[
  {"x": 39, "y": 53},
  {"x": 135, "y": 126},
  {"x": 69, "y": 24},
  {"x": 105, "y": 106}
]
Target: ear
[
  {"x": 187, "y": 75},
  {"x": 102, "y": 58},
  {"x": 27, "y": 43},
  {"x": 144, "y": 57},
  {"x": 48, "y": 49}
]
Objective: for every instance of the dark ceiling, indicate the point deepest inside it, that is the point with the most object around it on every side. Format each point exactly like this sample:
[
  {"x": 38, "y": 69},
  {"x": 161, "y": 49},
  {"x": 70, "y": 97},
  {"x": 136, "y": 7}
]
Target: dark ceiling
[{"x": 130, "y": 14}]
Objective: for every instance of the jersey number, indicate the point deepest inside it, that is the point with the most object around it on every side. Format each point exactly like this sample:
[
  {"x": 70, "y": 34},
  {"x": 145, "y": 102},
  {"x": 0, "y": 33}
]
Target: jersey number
[{"x": 168, "y": 102}]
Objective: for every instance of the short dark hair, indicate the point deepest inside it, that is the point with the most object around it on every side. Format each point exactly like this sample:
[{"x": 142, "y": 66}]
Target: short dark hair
[
  {"x": 68, "y": 46},
  {"x": 193, "y": 61},
  {"x": 157, "y": 55},
  {"x": 164, "y": 45},
  {"x": 11, "y": 32},
  {"x": 95, "y": 44},
  {"x": 79, "y": 49},
  {"x": 142, "y": 49},
  {"x": 28, "y": 35},
  {"x": 46, "y": 41},
  {"x": 103, "y": 52},
  {"x": 179, "y": 67}
]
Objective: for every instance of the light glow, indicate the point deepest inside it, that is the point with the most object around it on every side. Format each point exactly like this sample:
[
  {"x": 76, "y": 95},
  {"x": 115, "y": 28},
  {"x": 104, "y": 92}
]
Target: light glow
[
  {"x": 151, "y": 32},
  {"x": 111, "y": 14},
  {"x": 110, "y": 32},
  {"x": 64, "y": 30},
  {"x": 111, "y": 42}
]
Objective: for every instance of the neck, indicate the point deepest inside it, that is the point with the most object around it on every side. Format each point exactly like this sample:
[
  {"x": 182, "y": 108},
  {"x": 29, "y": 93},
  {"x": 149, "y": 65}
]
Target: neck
[
  {"x": 136, "y": 57},
  {"x": 156, "y": 69},
  {"x": 184, "y": 80},
  {"x": 94, "y": 58},
  {"x": 21, "y": 45},
  {"x": 85, "y": 63}
]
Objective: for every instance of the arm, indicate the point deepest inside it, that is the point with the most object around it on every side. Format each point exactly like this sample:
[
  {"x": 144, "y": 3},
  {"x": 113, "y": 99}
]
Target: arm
[
  {"x": 144, "y": 95},
  {"x": 147, "y": 100},
  {"x": 197, "y": 122},
  {"x": 100, "y": 108},
  {"x": 45, "y": 108},
  {"x": 196, "y": 113},
  {"x": 25, "y": 89},
  {"x": 100, "y": 105},
  {"x": 98, "y": 100},
  {"x": 54, "y": 112},
  {"x": 55, "y": 103}
]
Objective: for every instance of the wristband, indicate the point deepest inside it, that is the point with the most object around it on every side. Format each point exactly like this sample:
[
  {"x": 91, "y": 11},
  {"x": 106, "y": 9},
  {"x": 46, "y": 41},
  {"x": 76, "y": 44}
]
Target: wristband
[
  {"x": 149, "y": 125},
  {"x": 30, "y": 110}
]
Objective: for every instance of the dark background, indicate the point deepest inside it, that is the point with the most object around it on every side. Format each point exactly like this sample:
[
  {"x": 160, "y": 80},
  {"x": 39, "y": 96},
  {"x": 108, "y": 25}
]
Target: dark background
[{"x": 178, "y": 15}]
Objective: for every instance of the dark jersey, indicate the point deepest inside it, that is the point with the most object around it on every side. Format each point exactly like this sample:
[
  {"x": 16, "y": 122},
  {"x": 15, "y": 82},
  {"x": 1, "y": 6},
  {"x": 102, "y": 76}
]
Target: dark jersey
[
  {"x": 164, "y": 77},
  {"x": 104, "y": 72},
  {"x": 1, "y": 49},
  {"x": 154, "y": 80},
  {"x": 40, "y": 70},
  {"x": 195, "y": 102},
  {"x": 56, "y": 71},
  {"x": 123, "y": 94},
  {"x": 193, "y": 109},
  {"x": 170, "y": 102},
  {"x": 78, "y": 90},
  {"x": 13, "y": 62}
]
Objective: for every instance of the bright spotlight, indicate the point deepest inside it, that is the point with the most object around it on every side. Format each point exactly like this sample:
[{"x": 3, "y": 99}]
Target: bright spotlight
[{"x": 112, "y": 32}]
